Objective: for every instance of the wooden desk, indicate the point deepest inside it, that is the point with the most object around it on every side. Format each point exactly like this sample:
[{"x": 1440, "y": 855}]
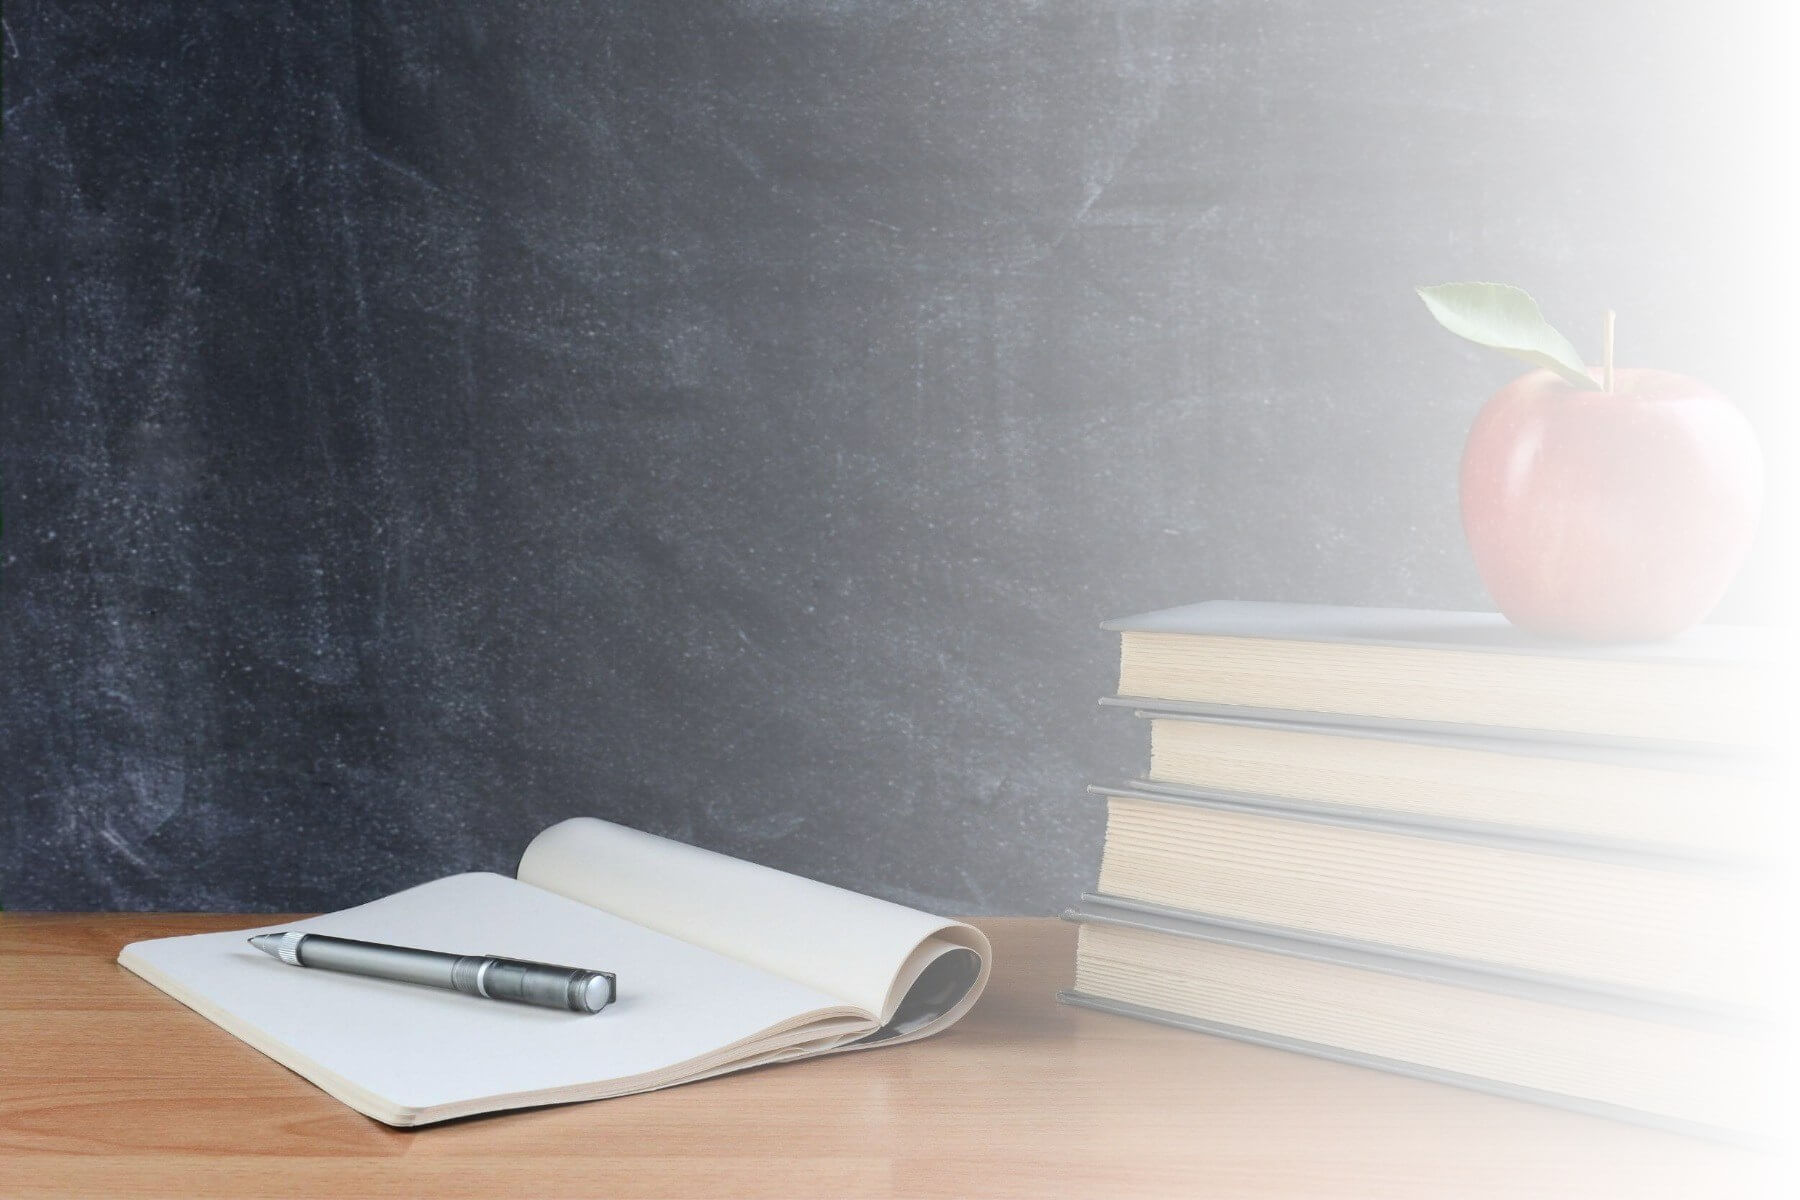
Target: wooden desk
[{"x": 109, "y": 1088}]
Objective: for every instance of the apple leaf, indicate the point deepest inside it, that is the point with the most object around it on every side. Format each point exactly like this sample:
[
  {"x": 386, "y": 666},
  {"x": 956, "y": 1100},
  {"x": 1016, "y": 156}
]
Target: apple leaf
[{"x": 1505, "y": 318}]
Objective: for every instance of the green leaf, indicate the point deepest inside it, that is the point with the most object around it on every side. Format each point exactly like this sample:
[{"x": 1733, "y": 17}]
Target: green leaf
[{"x": 1505, "y": 318}]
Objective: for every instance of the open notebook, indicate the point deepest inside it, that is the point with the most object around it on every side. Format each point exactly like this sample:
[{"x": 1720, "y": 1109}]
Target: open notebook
[{"x": 721, "y": 965}]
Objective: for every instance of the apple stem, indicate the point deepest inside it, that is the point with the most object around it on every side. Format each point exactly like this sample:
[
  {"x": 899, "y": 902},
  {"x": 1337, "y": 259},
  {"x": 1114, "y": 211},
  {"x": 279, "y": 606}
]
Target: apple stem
[{"x": 1606, "y": 353}]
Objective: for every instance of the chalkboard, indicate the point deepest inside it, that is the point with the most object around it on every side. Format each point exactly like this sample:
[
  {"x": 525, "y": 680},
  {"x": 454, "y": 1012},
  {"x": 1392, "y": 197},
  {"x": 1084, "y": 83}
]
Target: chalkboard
[{"x": 422, "y": 422}]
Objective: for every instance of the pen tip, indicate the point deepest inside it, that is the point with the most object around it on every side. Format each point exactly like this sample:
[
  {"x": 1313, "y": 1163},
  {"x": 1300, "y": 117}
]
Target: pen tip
[{"x": 284, "y": 945}]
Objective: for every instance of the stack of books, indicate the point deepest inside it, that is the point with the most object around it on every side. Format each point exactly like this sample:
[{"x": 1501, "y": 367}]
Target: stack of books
[{"x": 1428, "y": 843}]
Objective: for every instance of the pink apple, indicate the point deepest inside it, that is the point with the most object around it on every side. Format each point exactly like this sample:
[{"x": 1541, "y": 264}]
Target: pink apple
[{"x": 1611, "y": 516}]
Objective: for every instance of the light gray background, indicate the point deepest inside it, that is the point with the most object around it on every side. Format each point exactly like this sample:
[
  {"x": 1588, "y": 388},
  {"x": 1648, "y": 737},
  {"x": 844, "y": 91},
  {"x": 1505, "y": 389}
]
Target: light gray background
[{"x": 424, "y": 422}]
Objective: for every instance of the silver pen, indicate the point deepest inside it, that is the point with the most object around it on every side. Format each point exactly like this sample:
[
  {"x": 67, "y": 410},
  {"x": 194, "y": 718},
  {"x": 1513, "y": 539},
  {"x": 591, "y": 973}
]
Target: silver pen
[{"x": 547, "y": 986}]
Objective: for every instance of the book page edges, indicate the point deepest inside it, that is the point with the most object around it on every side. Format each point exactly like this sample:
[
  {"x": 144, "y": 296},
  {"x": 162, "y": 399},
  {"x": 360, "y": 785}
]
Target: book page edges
[{"x": 1727, "y": 704}]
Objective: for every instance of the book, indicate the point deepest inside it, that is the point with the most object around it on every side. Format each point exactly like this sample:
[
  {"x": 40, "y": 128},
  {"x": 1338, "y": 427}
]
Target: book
[
  {"x": 721, "y": 964},
  {"x": 1729, "y": 808},
  {"x": 1676, "y": 932},
  {"x": 1438, "y": 845},
  {"x": 1713, "y": 687},
  {"x": 1637, "y": 1061}
]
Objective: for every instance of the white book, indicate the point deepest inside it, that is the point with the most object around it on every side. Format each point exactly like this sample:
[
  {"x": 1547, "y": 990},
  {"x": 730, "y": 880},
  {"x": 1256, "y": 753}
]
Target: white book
[
  {"x": 1714, "y": 689},
  {"x": 721, "y": 965},
  {"x": 1626, "y": 1058}
]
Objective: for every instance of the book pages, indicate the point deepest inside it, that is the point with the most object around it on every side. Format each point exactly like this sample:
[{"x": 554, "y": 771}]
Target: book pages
[
  {"x": 862, "y": 951},
  {"x": 408, "y": 1055}
]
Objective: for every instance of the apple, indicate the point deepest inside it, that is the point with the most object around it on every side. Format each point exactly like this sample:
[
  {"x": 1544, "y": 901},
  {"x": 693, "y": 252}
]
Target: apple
[{"x": 1609, "y": 515}]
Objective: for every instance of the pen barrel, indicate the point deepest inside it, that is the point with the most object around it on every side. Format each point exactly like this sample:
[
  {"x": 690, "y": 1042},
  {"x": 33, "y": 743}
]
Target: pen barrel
[
  {"x": 571, "y": 989},
  {"x": 402, "y": 963}
]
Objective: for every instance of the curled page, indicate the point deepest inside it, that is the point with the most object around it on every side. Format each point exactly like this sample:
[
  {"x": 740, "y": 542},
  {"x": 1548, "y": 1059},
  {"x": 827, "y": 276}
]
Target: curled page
[{"x": 913, "y": 972}]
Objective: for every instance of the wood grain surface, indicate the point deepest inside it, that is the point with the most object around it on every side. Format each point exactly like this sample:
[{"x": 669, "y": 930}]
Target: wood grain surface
[{"x": 109, "y": 1088}]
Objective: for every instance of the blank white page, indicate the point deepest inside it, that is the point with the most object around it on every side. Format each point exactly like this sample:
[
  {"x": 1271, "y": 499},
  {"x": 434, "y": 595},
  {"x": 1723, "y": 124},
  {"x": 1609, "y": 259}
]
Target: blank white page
[{"x": 395, "y": 1050}]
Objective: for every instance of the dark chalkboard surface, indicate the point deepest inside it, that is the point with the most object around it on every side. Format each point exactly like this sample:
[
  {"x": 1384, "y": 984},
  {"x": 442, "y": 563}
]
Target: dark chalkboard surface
[{"x": 421, "y": 422}]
